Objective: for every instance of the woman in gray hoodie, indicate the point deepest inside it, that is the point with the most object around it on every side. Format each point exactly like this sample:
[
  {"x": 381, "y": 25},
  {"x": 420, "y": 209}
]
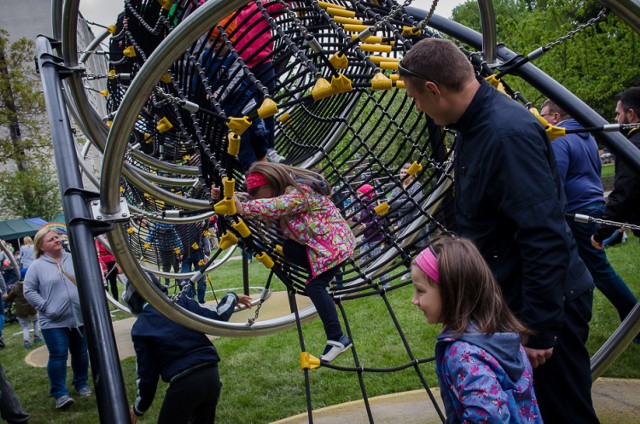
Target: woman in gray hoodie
[{"x": 51, "y": 288}]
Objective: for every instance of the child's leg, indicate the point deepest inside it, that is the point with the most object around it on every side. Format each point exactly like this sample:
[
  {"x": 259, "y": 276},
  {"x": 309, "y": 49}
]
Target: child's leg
[
  {"x": 25, "y": 324},
  {"x": 36, "y": 326},
  {"x": 317, "y": 292}
]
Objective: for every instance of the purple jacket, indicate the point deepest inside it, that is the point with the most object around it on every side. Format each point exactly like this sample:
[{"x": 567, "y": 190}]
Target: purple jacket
[{"x": 485, "y": 378}]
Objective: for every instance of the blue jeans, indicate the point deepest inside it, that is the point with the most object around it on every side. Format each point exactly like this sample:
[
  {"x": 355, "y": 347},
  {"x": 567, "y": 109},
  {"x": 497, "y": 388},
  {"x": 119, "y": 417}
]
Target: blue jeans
[
  {"x": 190, "y": 263},
  {"x": 604, "y": 276},
  {"x": 61, "y": 341}
]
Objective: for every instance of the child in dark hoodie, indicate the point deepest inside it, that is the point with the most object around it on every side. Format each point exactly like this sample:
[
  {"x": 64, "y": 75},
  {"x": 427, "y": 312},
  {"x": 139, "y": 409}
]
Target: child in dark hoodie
[{"x": 482, "y": 368}]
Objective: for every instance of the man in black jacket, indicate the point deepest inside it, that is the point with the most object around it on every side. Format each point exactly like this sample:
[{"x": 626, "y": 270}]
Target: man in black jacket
[
  {"x": 623, "y": 203},
  {"x": 508, "y": 200}
]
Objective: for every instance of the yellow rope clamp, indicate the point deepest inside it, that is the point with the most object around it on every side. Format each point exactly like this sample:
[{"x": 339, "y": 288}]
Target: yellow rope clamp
[
  {"x": 112, "y": 29},
  {"x": 408, "y": 31},
  {"x": 496, "y": 83},
  {"x": 104, "y": 93},
  {"x": 129, "y": 51},
  {"x": 177, "y": 250},
  {"x": 321, "y": 89},
  {"x": 166, "y": 4},
  {"x": 195, "y": 246},
  {"x": 382, "y": 209},
  {"x": 225, "y": 207},
  {"x": 229, "y": 187},
  {"x": 379, "y": 48},
  {"x": 241, "y": 228},
  {"x": 347, "y": 21},
  {"x": 325, "y": 5},
  {"x": 388, "y": 66},
  {"x": 380, "y": 59},
  {"x": 234, "y": 144},
  {"x": 339, "y": 60},
  {"x": 400, "y": 84},
  {"x": 164, "y": 125},
  {"x": 265, "y": 260},
  {"x": 239, "y": 125},
  {"x": 414, "y": 169},
  {"x": 227, "y": 240},
  {"x": 285, "y": 118},
  {"x": 552, "y": 131},
  {"x": 166, "y": 78},
  {"x": 340, "y": 84},
  {"x": 355, "y": 28},
  {"x": 268, "y": 108},
  {"x": 339, "y": 11},
  {"x": 308, "y": 361},
  {"x": 381, "y": 82}
]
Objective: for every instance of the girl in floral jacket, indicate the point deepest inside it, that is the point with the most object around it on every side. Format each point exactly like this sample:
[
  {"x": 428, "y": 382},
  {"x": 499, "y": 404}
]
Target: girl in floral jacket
[
  {"x": 319, "y": 239},
  {"x": 482, "y": 368}
]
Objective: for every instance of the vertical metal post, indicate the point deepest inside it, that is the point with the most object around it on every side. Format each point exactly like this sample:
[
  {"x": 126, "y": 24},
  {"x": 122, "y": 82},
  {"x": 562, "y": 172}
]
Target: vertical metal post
[
  {"x": 245, "y": 270},
  {"x": 105, "y": 364}
]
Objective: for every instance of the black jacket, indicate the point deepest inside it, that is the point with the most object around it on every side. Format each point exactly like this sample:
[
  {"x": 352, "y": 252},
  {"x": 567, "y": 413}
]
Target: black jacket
[
  {"x": 623, "y": 203},
  {"x": 508, "y": 200}
]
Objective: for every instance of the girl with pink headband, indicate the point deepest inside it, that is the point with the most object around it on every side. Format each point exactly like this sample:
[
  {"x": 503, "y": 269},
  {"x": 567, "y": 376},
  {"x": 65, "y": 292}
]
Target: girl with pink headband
[
  {"x": 482, "y": 367},
  {"x": 318, "y": 238}
]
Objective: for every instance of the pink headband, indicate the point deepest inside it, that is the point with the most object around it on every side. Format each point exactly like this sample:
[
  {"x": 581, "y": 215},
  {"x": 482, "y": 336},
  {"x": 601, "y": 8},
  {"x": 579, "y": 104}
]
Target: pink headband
[
  {"x": 256, "y": 179},
  {"x": 428, "y": 262}
]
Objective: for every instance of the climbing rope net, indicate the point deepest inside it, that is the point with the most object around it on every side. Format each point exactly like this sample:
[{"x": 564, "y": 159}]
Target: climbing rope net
[{"x": 173, "y": 89}]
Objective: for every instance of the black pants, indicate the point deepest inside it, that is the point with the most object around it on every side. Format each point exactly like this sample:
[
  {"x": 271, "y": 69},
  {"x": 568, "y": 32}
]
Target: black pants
[
  {"x": 317, "y": 289},
  {"x": 192, "y": 399},
  {"x": 563, "y": 383},
  {"x": 112, "y": 278},
  {"x": 10, "y": 408}
]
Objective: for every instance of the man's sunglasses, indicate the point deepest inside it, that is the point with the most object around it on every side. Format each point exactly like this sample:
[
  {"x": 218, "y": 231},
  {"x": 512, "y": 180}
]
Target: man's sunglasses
[{"x": 404, "y": 72}]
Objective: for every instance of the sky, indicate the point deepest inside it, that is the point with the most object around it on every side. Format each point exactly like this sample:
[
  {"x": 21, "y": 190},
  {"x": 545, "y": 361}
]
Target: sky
[{"x": 105, "y": 12}]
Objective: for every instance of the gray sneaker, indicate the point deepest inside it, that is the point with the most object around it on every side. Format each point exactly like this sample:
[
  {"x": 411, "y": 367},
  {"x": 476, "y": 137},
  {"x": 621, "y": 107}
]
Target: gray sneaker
[
  {"x": 84, "y": 392},
  {"x": 273, "y": 156},
  {"x": 63, "y": 402}
]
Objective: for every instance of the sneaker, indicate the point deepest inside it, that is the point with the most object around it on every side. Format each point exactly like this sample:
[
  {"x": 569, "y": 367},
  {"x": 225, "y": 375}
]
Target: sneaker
[
  {"x": 273, "y": 156},
  {"x": 37, "y": 339},
  {"x": 27, "y": 345},
  {"x": 84, "y": 392},
  {"x": 63, "y": 402},
  {"x": 335, "y": 348}
]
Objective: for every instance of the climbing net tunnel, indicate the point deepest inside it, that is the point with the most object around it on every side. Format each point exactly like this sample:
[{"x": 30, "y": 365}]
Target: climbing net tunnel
[{"x": 179, "y": 95}]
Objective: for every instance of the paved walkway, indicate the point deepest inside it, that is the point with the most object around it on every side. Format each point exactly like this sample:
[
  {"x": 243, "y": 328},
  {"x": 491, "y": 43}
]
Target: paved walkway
[{"x": 617, "y": 401}]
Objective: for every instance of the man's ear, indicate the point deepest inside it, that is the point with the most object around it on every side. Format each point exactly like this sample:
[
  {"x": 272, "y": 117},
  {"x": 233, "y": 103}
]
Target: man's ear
[
  {"x": 433, "y": 87},
  {"x": 633, "y": 116}
]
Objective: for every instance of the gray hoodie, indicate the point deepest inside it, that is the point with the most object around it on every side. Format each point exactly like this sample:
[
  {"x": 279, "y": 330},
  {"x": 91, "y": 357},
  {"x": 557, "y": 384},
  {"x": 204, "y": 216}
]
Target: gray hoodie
[{"x": 52, "y": 293}]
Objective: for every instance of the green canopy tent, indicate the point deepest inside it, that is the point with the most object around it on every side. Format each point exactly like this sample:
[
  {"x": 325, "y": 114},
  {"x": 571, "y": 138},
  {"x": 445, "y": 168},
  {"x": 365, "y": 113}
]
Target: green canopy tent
[{"x": 17, "y": 228}]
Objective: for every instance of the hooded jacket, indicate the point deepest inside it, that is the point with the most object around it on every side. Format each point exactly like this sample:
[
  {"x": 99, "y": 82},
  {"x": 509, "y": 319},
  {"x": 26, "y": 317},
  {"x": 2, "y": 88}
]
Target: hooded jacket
[
  {"x": 310, "y": 219},
  {"x": 579, "y": 167},
  {"x": 52, "y": 293},
  {"x": 485, "y": 378}
]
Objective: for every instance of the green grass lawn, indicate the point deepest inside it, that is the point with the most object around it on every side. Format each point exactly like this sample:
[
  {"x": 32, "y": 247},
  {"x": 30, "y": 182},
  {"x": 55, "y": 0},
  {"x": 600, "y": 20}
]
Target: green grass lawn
[{"x": 262, "y": 377}]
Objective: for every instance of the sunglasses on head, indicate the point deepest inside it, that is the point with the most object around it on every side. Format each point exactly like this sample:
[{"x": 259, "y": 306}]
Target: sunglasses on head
[{"x": 404, "y": 72}]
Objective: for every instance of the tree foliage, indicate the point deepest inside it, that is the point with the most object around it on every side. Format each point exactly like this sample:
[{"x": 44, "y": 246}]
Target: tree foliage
[
  {"x": 30, "y": 193},
  {"x": 594, "y": 65},
  {"x": 24, "y": 131}
]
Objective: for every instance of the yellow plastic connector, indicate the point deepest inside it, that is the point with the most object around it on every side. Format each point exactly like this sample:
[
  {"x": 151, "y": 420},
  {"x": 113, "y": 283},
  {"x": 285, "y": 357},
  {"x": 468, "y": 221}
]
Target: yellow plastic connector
[
  {"x": 380, "y": 59},
  {"x": 308, "y": 361},
  {"x": 147, "y": 138},
  {"x": 130, "y": 230},
  {"x": 379, "y": 48},
  {"x": 109, "y": 124},
  {"x": 164, "y": 125},
  {"x": 166, "y": 4},
  {"x": 112, "y": 29},
  {"x": 227, "y": 240},
  {"x": 186, "y": 158},
  {"x": 321, "y": 89},
  {"x": 285, "y": 118},
  {"x": 340, "y": 84},
  {"x": 112, "y": 74},
  {"x": 381, "y": 82},
  {"x": 339, "y": 60},
  {"x": 234, "y": 144},
  {"x": 177, "y": 250},
  {"x": 347, "y": 21},
  {"x": 408, "y": 31},
  {"x": 225, "y": 207},
  {"x": 239, "y": 125},
  {"x": 552, "y": 131},
  {"x": 338, "y": 11},
  {"x": 147, "y": 245},
  {"x": 104, "y": 92},
  {"x": 129, "y": 51},
  {"x": 279, "y": 249},
  {"x": 166, "y": 78},
  {"x": 201, "y": 262},
  {"x": 265, "y": 260},
  {"x": 195, "y": 246},
  {"x": 388, "y": 66},
  {"x": 241, "y": 228},
  {"x": 496, "y": 83},
  {"x": 414, "y": 169},
  {"x": 206, "y": 233},
  {"x": 355, "y": 28},
  {"x": 382, "y": 209},
  {"x": 400, "y": 84},
  {"x": 268, "y": 108},
  {"x": 229, "y": 186}
]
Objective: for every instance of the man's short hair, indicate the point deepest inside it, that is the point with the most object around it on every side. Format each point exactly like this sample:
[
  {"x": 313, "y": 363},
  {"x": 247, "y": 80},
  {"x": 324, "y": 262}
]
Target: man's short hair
[
  {"x": 630, "y": 99},
  {"x": 440, "y": 61},
  {"x": 554, "y": 108}
]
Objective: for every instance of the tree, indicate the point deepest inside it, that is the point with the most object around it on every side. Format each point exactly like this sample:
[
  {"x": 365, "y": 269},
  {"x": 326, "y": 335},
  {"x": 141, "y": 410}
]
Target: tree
[
  {"x": 30, "y": 193},
  {"x": 594, "y": 65},
  {"x": 22, "y": 110}
]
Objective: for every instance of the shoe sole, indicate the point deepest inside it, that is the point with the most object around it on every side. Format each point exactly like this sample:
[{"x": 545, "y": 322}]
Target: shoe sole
[
  {"x": 324, "y": 358},
  {"x": 66, "y": 404}
]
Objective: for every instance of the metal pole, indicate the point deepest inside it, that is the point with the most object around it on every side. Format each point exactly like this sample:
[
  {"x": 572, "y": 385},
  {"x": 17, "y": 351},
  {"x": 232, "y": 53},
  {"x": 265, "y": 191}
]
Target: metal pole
[{"x": 105, "y": 365}]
